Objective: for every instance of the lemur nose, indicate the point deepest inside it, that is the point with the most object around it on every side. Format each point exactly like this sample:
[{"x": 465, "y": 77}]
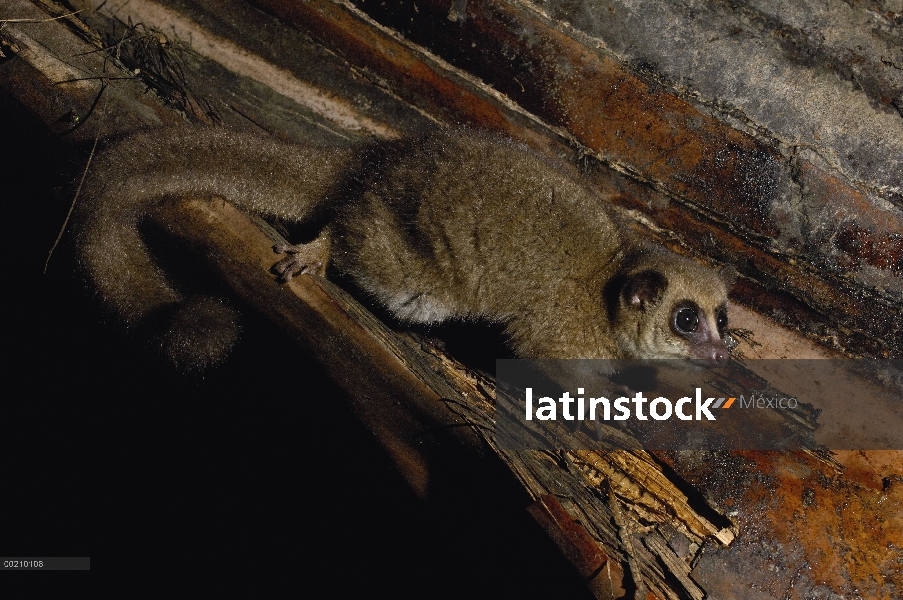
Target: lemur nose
[{"x": 720, "y": 356}]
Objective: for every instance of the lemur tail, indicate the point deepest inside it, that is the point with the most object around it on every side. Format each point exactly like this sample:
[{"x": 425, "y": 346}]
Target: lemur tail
[{"x": 255, "y": 173}]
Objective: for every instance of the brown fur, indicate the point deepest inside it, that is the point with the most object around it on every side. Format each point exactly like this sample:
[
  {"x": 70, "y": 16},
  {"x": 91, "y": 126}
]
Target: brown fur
[{"x": 455, "y": 224}]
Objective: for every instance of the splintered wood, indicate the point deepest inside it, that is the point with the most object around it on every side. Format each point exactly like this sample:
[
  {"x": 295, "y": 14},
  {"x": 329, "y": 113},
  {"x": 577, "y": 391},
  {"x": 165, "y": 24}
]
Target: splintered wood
[{"x": 634, "y": 477}]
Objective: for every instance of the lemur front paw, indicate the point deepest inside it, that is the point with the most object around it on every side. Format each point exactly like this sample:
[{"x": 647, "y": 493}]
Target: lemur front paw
[{"x": 302, "y": 259}]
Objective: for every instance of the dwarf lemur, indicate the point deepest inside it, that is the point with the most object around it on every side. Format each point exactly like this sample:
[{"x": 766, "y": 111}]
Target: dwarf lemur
[{"x": 453, "y": 224}]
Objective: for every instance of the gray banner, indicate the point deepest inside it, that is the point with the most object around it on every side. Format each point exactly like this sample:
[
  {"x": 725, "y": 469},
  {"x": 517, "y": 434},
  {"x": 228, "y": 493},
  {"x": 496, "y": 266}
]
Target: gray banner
[{"x": 675, "y": 405}]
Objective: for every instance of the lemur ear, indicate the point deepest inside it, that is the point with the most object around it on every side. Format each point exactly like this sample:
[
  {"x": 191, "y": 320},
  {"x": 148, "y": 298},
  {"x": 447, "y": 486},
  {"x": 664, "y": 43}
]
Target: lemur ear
[
  {"x": 728, "y": 275},
  {"x": 644, "y": 289}
]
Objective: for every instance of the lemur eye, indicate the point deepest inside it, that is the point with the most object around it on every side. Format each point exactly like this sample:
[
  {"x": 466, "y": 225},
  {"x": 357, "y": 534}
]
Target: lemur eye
[
  {"x": 686, "y": 320},
  {"x": 721, "y": 320}
]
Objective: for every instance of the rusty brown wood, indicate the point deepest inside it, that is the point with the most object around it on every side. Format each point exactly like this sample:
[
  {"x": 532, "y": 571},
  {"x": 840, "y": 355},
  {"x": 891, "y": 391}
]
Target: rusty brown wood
[
  {"x": 413, "y": 76},
  {"x": 843, "y": 531}
]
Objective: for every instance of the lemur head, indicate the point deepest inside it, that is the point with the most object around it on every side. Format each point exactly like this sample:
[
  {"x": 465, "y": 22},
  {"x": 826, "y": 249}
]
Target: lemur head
[{"x": 666, "y": 306}]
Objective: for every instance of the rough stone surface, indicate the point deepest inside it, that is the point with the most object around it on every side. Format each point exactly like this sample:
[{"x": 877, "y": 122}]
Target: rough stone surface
[{"x": 823, "y": 76}]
